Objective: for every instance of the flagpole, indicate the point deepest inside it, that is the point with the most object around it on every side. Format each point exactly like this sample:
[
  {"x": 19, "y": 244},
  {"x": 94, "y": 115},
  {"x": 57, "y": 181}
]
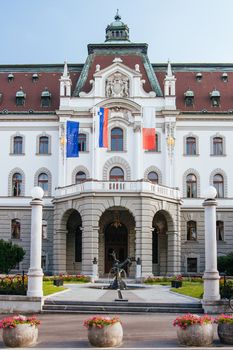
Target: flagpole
[
  {"x": 65, "y": 158},
  {"x": 93, "y": 143}
]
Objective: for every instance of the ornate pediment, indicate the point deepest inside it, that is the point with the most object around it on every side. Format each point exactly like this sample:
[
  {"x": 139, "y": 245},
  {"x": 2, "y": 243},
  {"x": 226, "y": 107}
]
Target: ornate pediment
[{"x": 117, "y": 85}]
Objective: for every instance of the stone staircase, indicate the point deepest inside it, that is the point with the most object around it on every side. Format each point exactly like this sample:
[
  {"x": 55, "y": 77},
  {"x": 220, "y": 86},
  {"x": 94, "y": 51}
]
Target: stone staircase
[{"x": 119, "y": 307}]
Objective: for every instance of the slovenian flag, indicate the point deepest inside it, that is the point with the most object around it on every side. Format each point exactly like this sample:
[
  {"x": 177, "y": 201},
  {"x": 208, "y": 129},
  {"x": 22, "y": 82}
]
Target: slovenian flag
[
  {"x": 148, "y": 128},
  {"x": 72, "y": 131},
  {"x": 103, "y": 127}
]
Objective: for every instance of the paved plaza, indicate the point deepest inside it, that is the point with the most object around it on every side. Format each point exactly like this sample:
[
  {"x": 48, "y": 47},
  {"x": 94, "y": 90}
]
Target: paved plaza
[
  {"x": 144, "y": 331},
  {"x": 93, "y": 292}
]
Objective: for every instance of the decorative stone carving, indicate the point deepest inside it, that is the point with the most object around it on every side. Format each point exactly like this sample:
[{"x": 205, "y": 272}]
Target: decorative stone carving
[{"x": 117, "y": 85}]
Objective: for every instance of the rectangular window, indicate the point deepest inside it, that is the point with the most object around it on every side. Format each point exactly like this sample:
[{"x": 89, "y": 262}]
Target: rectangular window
[
  {"x": 15, "y": 229},
  {"x": 191, "y": 264},
  {"x": 44, "y": 145},
  {"x": 220, "y": 230},
  {"x": 18, "y": 145}
]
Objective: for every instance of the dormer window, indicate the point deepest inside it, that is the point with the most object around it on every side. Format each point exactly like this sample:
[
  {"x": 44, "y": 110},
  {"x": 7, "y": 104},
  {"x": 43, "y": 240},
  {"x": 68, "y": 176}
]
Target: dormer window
[
  {"x": 215, "y": 98},
  {"x": 199, "y": 77},
  {"x": 10, "y": 77},
  {"x": 189, "y": 97},
  {"x": 35, "y": 77},
  {"x": 45, "y": 98},
  {"x": 20, "y": 97},
  {"x": 225, "y": 77}
]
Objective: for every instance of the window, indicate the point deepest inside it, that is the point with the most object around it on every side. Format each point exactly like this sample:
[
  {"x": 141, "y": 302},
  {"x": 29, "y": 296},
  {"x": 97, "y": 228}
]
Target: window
[
  {"x": 20, "y": 97},
  {"x": 153, "y": 177},
  {"x": 82, "y": 142},
  {"x": 80, "y": 176},
  {"x": 44, "y": 229},
  {"x": 43, "y": 145},
  {"x": 191, "y": 264},
  {"x": 78, "y": 245},
  {"x": 116, "y": 139},
  {"x": 191, "y": 231},
  {"x": 116, "y": 174},
  {"x": 218, "y": 183},
  {"x": 18, "y": 145},
  {"x": 220, "y": 230},
  {"x": 15, "y": 229},
  {"x": 17, "y": 184},
  {"x": 191, "y": 186},
  {"x": 156, "y": 143},
  {"x": 43, "y": 182},
  {"x": 191, "y": 148},
  {"x": 46, "y": 98},
  {"x": 217, "y": 146}
]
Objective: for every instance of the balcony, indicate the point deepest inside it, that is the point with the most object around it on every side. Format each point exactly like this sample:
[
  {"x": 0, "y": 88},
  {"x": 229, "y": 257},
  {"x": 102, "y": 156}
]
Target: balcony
[{"x": 118, "y": 188}]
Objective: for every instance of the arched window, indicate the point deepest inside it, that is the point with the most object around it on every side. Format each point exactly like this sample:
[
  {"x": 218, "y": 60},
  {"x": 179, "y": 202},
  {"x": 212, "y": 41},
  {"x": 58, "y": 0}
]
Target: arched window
[
  {"x": 217, "y": 146},
  {"x": 117, "y": 139},
  {"x": 220, "y": 230},
  {"x": 116, "y": 174},
  {"x": 44, "y": 229},
  {"x": 153, "y": 177},
  {"x": 15, "y": 229},
  {"x": 191, "y": 148},
  {"x": 16, "y": 184},
  {"x": 191, "y": 186},
  {"x": 43, "y": 145},
  {"x": 43, "y": 182},
  {"x": 18, "y": 145},
  {"x": 218, "y": 183},
  {"x": 80, "y": 176},
  {"x": 191, "y": 231},
  {"x": 82, "y": 142}
]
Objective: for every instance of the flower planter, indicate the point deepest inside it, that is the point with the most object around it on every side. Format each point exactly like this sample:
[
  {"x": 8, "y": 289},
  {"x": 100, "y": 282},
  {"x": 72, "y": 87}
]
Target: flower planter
[
  {"x": 22, "y": 335},
  {"x": 225, "y": 333},
  {"x": 196, "y": 335},
  {"x": 58, "y": 283},
  {"x": 108, "y": 336},
  {"x": 176, "y": 284}
]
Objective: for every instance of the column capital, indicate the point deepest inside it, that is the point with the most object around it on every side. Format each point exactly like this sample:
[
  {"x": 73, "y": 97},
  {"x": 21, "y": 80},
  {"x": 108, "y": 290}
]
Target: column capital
[{"x": 210, "y": 203}]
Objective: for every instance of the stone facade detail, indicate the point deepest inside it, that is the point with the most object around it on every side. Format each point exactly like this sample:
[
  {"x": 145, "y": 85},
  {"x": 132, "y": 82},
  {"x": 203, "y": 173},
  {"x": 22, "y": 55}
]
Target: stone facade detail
[{"x": 117, "y": 85}]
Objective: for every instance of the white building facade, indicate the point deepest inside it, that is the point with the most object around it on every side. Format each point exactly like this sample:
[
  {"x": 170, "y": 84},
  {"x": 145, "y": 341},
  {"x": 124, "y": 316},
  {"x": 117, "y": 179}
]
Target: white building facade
[{"x": 142, "y": 204}]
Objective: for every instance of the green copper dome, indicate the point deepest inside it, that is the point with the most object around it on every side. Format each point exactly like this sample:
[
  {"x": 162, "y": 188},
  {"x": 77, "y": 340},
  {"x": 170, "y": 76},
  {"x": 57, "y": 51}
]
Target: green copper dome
[{"x": 117, "y": 30}]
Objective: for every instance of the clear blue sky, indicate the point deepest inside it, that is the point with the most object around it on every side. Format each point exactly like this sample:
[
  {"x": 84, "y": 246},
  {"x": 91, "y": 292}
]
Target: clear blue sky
[{"x": 49, "y": 31}]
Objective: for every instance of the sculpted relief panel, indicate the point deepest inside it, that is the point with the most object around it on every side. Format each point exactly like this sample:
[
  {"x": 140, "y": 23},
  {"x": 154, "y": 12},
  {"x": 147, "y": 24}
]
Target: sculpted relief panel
[{"x": 117, "y": 85}]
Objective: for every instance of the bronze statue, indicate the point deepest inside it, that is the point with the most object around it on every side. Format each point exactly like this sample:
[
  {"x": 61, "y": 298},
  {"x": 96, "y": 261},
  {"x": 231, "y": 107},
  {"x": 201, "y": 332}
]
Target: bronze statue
[{"x": 117, "y": 270}]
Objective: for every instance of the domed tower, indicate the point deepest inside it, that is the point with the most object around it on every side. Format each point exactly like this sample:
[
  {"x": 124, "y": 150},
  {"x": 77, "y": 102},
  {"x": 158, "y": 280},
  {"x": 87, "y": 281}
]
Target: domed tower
[{"x": 117, "y": 30}]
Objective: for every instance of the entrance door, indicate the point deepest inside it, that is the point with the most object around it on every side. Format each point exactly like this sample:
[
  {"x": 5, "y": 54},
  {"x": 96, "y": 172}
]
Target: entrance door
[{"x": 115, "y": 240}]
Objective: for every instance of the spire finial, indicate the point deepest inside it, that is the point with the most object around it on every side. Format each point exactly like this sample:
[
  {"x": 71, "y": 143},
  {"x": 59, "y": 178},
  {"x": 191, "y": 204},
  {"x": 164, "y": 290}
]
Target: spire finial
[
  {"x": 65, "y": 72},
  {"x": 169, "y": 69},
  {"x": 117, "y": 16}
]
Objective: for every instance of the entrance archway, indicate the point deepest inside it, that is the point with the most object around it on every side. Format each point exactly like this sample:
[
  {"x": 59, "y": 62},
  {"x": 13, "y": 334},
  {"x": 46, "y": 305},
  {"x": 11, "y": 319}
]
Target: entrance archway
[
  {"x": 116, "y": 239},
  {"x": 74, "y": 243},
  {"x": 117, "y": 232},
  {"x": 159, "y": 244}
]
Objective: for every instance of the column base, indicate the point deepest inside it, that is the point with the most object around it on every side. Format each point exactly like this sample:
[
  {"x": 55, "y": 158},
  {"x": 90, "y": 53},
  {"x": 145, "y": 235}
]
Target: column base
[
  {"x": 211, "y": 286},
  {"x": 35, "y": 283}
]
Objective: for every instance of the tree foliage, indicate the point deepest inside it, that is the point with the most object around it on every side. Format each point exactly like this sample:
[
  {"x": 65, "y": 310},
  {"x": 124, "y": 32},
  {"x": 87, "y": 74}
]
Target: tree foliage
[
  {"x": 10, "y": 256},
  {"x": 225, "y": 264}
]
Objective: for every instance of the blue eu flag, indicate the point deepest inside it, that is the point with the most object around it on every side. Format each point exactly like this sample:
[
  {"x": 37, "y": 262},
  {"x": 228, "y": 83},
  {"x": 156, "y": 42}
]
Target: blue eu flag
[{"x": 72, "y": 131}]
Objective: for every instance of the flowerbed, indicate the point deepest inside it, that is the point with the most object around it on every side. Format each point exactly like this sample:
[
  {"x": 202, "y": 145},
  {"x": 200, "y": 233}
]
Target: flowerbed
[
  {"x": 13, "y": 285},
  {"x": 225, "y": 328},
  {"x": 68, "y": 278},
  {"x": 12, "y": 322}
]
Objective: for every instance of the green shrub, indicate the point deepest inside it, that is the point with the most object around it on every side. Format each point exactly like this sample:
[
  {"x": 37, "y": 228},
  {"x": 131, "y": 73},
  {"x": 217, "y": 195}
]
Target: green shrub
[
  {"x": 225, "y": 264},
  {"x": 13, "y": 285},
  {"x": 226, "y": 291},
  {"x": 10, "y": 256}
]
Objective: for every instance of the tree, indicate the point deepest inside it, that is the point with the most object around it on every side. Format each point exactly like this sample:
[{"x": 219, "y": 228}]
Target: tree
[
  {"x": 10, "y": 256},
  {"x": 225, "y": 264}
]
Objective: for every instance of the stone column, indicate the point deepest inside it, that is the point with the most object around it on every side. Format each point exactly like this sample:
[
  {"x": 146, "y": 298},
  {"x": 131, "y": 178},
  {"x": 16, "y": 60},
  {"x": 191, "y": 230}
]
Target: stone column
[
  {"x": 90, "y": 247},
  {"x": 35, "y": 273},
  {"x": 146, "y": 252},
  {"x": 173, "y": 253},
  {"x": 59, "y": 251},
  {"x": 211, "y": 275}
]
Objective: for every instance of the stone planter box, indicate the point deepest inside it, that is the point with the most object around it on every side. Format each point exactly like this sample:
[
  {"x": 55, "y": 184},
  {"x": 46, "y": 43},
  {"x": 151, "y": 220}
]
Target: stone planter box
[
  {"x": 58, "y": 282},
  {"x": 176, "y": 284},
  {"x": 23, "y": 335},
  {"x": 108, "y": 336},
  {"x": 225, "y": 333},
  {"x": 196, "y": 335}
]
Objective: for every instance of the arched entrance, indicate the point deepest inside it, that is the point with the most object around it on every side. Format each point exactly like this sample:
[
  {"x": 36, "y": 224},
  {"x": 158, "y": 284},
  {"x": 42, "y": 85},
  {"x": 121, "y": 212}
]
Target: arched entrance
[
  {"x": 74, "y": 243},
  {"x": 116, "y": 239},
  {"x": 116, "y": 233},
  {"x": 159, "y": 244}
]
